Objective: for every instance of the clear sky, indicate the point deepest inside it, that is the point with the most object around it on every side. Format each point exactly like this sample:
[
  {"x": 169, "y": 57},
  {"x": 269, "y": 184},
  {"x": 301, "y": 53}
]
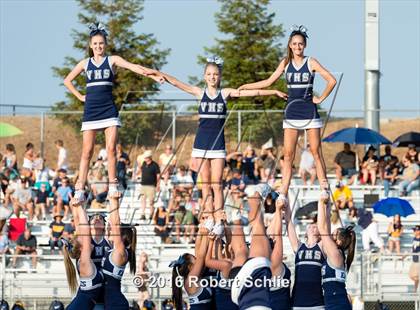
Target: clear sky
[{"x": 35, "y": 35}]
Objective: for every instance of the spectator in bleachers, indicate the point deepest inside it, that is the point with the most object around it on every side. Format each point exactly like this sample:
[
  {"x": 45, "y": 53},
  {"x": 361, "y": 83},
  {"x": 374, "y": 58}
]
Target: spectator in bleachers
[
  {"x": 343, "y": 196},
  {"x": 410, "y": 178},
  {"x": 28, "y": 158},
  {"x": 10, "y": 159},
  {"x": 123, "y": 161},
  {"x": 41, "y": 202},
  {"x": 167, "y": 161},
  {"x": 69, "y": 229},
  {"x": 370, "y": 164},
  {"x": 370, "y": 230},
  {"x": 57, "y": 228},
  {"x": 99, "y": 186},
  {"x": 184, "y": 221},
  {"x": 269, "y": 210},
  {"x": 307, "y": 166},
  {"x": 4, "y": 240},
  {"x": 192, "y": 206},
  {"x": 268, "y": 172},
  {"x": 62, "y": 155},
  {"x": 143, "y": 273},
  {"x": 412, "y": 153},
  {"x": 385, "y": 159},
  {"x": 395, "y": 230},
  {"x": 237, "y": 183},
  {"x": 64, "y": 194},
  {"x": 414, "y": 271},
  {"x": 345, "y": 164},
  {"x": 22, "y": 199},
  {"x": 234, "y": 160},
  {"x": 61, "y": 174},
  {"x": 182, "y": 182},
  {"x": 4, "y": 183},
  {"x": 150, "y": 177},
  {"x": 335, "y": 220},
  {"x": 161, "y": 222},
  {"x": 390, "y": 174},
  {"x": 26, "y": 245},
  {"x": 248, "y": 166}
]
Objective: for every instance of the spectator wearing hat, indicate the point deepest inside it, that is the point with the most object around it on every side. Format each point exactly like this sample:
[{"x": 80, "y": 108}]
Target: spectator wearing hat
[
  {"x": 56, "y": 231},
  {"x": 62, "y": 162},
  {"x": 343, "y": 196},
  {"x": 410, "y": 178},
  {"x": 237, "y": 183},
  {"x": 370, "y": 165},
  {"x": 22, "y": 199},
  {"x": 26, "y": 245},
  {"x": 69, "y": 229},
  {"x": 150, "y": 178},
  {"x": 345, "y": 164},
  {"x": 414, "y": 271}
]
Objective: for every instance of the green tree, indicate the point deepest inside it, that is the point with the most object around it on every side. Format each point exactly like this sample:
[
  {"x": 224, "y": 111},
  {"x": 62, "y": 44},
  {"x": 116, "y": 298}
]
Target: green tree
[
  {"x": 119, "y": 16},
  {"x": 251, "y": 50}
]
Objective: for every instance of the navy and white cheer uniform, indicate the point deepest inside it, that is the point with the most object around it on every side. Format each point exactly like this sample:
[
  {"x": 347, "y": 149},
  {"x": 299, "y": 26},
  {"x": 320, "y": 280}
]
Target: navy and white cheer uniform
[
  {"x": 301, "y": 112},
  {"x": 250, "y": 287},
  {"x": 114, "y": 298},
  {"x": 223, "y": 294},
  {"x": 98, "y": 251},
  {"x": 100, "y": 110},
  {"x": 279, "y": 294},
  {"x": 307, "y": 289},
  {"x": 201, "y": 300},
  {"x": 210, "y": 138},
  {"x": 334, "y": 286},
  {"x": 90, "y": 291}
]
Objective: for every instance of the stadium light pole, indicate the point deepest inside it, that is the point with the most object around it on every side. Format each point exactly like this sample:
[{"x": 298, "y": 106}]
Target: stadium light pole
[{"x": 372, "y": 72}]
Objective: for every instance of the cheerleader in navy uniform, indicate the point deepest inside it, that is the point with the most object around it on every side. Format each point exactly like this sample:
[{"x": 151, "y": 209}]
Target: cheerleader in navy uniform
[
  {"x": 100, "y": 111},
  {"x": 113, "y": 264},
  {"x": 187, "y": 272},
  {"x": 337, "y": 264},
  {"x": 301, "y": 110},
  {"x": 91, "y": 279},
  {"x": 209, "y": 143},
  {"x": 309, "y": 259},
  {"x": 100, "y": 245}
]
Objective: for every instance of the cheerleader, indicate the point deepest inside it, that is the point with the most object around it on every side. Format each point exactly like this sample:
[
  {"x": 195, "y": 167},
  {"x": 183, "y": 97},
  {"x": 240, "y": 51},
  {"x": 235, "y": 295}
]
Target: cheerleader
[
  {"x": 336, "y": 266},
  {"x": 100, "y": 111},
  {"x": 209, "y": 144},
  {"x": 301, "y": 109}
]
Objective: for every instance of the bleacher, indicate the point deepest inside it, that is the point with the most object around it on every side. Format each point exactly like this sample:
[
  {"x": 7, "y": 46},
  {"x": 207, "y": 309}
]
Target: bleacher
[{"x": 373, "y": 276}]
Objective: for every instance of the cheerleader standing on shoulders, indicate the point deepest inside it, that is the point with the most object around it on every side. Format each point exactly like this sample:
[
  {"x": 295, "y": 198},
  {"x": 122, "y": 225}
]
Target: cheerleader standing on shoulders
[
  {"x": 100, "y": 111},
  {"x": 336, "y": 266},
  {"x": 209, "y": 144}
]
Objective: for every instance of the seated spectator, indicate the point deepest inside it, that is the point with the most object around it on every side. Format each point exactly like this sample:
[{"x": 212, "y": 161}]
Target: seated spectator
[
  {"x": 248, "y": 166},
  {"x": 123, "y": 161},
  {"x": 26, "y": 244},
  {"x": 237, "y": 183},
  {"x": 268, "y": 172},
  {"x": 4, "y": 183},
  {"x": 390, "y": 174},
  {"x": 69, "y": 229},
  {"x": 370, "y": 164},
  {"x": 41, "y": 202},
  {"x": 395, "y": 230},
  {"x": 64, "y": 195},
  {"x": 28, "y": 159},
  {"x": 385, "y": 160},
  {"x": 307, "y": 166},
  {"x": 412, "y": 153},
  {"x": 143, "y": 273},
  {"x": 161, "y": 222},
  {"x": 182, "y": 182},
  {"x": 193, "y": 206},
  {"x": 61, "y": 174},
  {"x": 414, "y": 272},
  {"x": 345, "y": 164},
  {"x": 22, "y": 199},
  {"x": 410, "y": 180},
  {"x": 184, "y": 221},
  {"x": 167, "y": 162},
  {"x": 57, "y": 228},
  {"x": 343, "y": 196},
  {"x": 10, "y": 159},
  {"x": 99, "y": 186},
  {"x": 369, "y": 230},
  {"x": 234, "y": 160},
  {"x": 4, "y": 240}
]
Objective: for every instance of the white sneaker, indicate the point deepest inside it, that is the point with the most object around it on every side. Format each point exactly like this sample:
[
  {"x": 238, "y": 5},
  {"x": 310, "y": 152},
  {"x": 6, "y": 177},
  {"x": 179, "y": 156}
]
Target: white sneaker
[
  {"x": 218, "y": 229},
  {"x": 79, "y": 197},
  {"x": 208, "y": 224},
  {"x": 282, "y": 197},
  {"x": 325, "y": 194}
]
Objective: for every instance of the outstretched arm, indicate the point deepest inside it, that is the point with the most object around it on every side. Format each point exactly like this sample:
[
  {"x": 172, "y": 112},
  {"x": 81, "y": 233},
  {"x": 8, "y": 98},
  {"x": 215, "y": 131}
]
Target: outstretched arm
[
  {"x": 268, "y": 82},
  {"x": 193, "y": 90},
  {"x": 71, "y": 76},
  {"x": 291, "y": 232},
  {"x": 234, "y": 93},
  {"x": 85, "y": 262},
  {"x": 316, "y": 66},
  {"x": 121, "y": 62}
]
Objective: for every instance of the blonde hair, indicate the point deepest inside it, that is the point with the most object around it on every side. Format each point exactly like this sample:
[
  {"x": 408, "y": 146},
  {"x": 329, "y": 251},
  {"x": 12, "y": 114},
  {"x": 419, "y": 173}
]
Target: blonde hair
[{"x": 71, "y": 251}]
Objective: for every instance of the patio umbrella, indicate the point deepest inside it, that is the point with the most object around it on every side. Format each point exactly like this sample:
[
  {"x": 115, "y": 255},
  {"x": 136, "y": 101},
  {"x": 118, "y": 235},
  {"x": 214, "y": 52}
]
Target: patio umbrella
[
  {"x": 393, "y": 206},
  {"x": 308, "y": 210},
  {"x": 7, "y": 130},
  {"x": 357, "y": 135},
  {"x": 407, "y": 138}
]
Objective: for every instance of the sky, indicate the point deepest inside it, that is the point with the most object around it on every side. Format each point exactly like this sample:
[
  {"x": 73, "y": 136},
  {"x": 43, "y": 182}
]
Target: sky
[{"x": 35, "y": 35}]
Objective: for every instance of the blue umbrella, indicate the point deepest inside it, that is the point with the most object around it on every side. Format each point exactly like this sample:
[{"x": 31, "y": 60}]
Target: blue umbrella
[
  {"x": 392, "y": 206},
  {"x": 357, "y": 135}
]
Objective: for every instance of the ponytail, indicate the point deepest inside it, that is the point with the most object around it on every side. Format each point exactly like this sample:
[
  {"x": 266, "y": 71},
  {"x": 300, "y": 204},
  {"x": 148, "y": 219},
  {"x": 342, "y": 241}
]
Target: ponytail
[
  {"x": 351, "y": 249},
  {"x": 132, "y": 251},
  {"x": 347, "y": 238},
  {"x": 69, "y": 253},
  {"x": 176, "y": 291},
  {"x": 180, "y": 271}
]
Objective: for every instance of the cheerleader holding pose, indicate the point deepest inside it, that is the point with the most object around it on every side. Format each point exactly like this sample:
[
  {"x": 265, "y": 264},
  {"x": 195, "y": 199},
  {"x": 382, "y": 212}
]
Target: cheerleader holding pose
[
  {"x": 187, "y": 272},
  {"x": 301, "y": 110},
  {"x": 100, "y": 245},
  {"x": 209, "y": 144},
  {"x": 336, "y": 266},
  {"x": 100, "y": 112},
  {"x": 113, "y": 264},
  {"x": 91, "y": 278}
]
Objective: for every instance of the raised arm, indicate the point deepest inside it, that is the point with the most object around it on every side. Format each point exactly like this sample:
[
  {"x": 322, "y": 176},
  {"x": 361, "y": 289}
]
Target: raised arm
[
  {"x": 118, "y": 61},
  {"x": 234, "y": 93},
  {"x": 71, "y": 76},
  {"x": 200, "y": 255},
  {"x": 324, "y": 226},
  {"x": 85, "y": 262},
  {"x": 316, "y": 66},
  {"x": 268, "y": 82},
  {"x": 291, "y": 232},
  {"x": 118, "y": 256},
  {"x": 214, "y": 263},
  {"x": 193, "y": 90}
]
